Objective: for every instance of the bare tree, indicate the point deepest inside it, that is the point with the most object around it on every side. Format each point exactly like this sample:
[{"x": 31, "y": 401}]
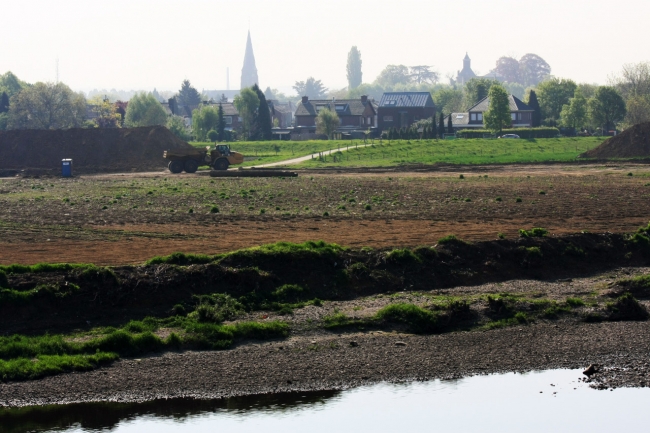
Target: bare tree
[{"x": 423, "y": 74}]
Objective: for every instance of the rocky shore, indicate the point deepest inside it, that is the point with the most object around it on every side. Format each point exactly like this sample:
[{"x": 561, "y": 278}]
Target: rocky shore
[{"x": 330, "y": 361}]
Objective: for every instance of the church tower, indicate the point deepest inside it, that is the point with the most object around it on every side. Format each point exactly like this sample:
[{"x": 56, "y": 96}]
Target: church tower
[{"x": 249, "y": 71}]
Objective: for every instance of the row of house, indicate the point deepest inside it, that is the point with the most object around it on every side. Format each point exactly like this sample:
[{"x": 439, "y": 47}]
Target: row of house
[{"x": 395, "y": 110}]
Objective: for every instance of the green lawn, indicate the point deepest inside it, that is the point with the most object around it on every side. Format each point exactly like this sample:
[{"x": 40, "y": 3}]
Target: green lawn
[
  {"x": 462, "y": 151},
  {"x": 398, "y": 152},
  {"x": 266, "y": 152}
]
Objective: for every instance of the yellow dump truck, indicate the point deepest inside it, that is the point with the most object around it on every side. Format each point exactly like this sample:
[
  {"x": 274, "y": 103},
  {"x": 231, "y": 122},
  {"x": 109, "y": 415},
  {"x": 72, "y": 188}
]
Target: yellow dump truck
[{"x": 220, "y": 158}]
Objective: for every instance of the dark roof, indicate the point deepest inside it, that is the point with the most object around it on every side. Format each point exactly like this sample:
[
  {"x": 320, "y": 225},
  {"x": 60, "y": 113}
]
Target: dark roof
[
  {"x": 342, "y": 107},
  {"x": 458, "y": 119},
  {"x": 515, "y": 105},
  {"x": 406, "y": 99}
]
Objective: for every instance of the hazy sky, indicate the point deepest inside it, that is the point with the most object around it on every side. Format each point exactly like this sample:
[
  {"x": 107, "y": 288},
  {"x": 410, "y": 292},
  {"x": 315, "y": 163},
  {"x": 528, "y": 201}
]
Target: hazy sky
[{"x": 142, "y": 44}]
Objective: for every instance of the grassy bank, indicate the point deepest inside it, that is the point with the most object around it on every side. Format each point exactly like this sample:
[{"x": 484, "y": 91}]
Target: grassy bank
[
  {"x": 461, "y": 151},
  {"x": 398, "y": 152}
]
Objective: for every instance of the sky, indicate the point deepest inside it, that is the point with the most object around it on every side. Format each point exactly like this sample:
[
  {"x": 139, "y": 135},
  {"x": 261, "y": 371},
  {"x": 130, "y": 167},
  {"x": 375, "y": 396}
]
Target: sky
[{"x": 147, "y": 44}]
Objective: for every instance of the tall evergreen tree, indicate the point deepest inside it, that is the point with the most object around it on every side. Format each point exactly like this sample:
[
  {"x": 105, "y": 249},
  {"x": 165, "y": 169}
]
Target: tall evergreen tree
[
  {"x": 450, "y": 126},
  {"x": 4, "y": 102},
  {"x": 354, "y": 68},
  {"x": 221, "y": 124},
  {"x": 441, "y": 125},
  {"x": 188, "y": 95},
  {"x": 537, "y": 112},
  {"x": 264, "y": 123},
  {"x": 434, "y": 130}
]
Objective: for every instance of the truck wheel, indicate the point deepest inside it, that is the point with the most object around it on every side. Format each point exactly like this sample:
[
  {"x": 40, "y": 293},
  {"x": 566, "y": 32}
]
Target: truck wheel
[
  {"x": 175, "y": 166},
  {"x": 221, "y": 164},
  {"x": 191, "y": 166}
]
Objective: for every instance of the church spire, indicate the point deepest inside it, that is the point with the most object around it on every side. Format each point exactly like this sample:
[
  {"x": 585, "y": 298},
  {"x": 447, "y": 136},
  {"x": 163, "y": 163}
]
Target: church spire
[{"x": 249, "y": 71}]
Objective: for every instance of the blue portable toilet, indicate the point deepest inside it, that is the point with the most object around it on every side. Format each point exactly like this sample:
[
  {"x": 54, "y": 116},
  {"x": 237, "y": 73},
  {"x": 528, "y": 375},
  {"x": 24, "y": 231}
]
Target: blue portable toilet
[{"x": 66, "y": 167}]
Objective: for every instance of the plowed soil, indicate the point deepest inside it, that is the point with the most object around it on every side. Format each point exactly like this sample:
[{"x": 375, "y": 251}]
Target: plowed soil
[
  {"x": 92, "y": 150},
  {"x": 128, "y": 219}
]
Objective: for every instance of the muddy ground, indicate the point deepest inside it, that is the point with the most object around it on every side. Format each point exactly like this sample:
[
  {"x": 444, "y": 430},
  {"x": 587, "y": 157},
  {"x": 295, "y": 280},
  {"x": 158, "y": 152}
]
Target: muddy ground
[{"x": 119, "y": 219}]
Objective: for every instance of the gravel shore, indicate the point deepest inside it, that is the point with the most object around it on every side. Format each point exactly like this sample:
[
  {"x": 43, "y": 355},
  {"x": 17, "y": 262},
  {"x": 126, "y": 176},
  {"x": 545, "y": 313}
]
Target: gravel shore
[{"x": 332, "y": 362}]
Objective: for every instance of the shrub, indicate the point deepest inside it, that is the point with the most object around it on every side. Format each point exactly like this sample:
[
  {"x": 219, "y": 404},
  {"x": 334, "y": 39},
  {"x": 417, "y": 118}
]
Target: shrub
[
  {"x": 526, "y": 133},
  {"x": 3, "y": 279},
  {"x": 368, "y": 207},
  {"x": 402, "y": 256},
  {"x": 416, "y": 318},
  {"x": 536, "y": 232},
  {"x": 214, "y": 209},
  {"x": 627, "y": 307},
  {"x": 518, "y": 200},
  {"x": 217, "y": 308},
  {"x": 178, "y": 310},
  {"x": 288, "y": 292},
  {"x": 575, "y": 302},
  {"x": 450, "y": 239}
]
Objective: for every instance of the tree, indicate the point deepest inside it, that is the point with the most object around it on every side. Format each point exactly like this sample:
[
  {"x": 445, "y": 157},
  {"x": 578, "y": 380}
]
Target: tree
[
  {"x": 574, "y": 114},
  {"x": 47, "y": 106},
  {"x": 537, "y": 111},
  {"x": 638, "y": 110},
  {"x": 441, "y": 125},
  {"x": 607, "y": 107},
  {"x": 498, "y": 114},
  {"x": 188, "y": 95},
  {"x": 533, "y": 69},
  {"x": 107, "y": 116},
  {"x": 326, "y": 122},
  {"x": 213, "y": 135},
  {"x": 476, "y": 89},
  {"x": 144, "y": 110},
  {"x": 247, "y": 103},
  {"x": 176, "y": 125},
  {"x": 393, "y": 75},
  {"x": 434, "y": 131},
  {"x": 450, "y": 125},
  {"x": 204, "y": 119},
  {"x": 423, "y": 74},
  {"x": 634, "y": 80},
  {"x": 553, "y": 94},
  {"x": 448, "y": 99},
  {"x": 312, "y": 88},
  {"x": 4, "y": 102},
  {"x": 221, "y": 124},
  {"x": 10, "y": 84},
  {"x": 264, "y": 122},
  {"x": 354, "y": 68},
  {"x": 509, "y": 68}
]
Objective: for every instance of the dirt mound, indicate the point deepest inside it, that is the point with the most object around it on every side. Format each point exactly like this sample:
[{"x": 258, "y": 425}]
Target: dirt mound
[
  {"x": 93, "y": 150},
  {"x": 631, "y": 143}
]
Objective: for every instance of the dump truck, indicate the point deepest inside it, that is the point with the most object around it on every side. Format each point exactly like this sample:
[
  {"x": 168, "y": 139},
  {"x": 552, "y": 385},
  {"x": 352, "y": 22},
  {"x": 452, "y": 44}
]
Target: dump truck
[{"x": 219, "y": 158}]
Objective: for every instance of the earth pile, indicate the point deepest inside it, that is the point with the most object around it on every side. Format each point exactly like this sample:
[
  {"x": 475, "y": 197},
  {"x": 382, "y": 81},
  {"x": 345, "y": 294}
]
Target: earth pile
[
  {"x": 92, "y": 150},
  {"x": 634, "y": 142}
]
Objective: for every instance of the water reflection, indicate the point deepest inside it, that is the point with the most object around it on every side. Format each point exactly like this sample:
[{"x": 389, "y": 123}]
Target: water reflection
[
  {"x": 554, "y": 400},
  {"x": 92, "y": 417}
]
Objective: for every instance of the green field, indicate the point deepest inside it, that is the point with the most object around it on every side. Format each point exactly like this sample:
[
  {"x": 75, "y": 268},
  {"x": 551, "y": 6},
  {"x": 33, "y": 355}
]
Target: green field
[
  {"x": 378, "y": 153},
  {"x": 266, "y": 152}
]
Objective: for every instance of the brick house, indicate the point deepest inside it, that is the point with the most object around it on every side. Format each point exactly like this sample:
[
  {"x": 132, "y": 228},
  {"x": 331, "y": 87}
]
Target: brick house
[
  {"x": 402, "y": 109},
  {"x": 354, "y": 114},
  {"x": 520, "y": 113}
]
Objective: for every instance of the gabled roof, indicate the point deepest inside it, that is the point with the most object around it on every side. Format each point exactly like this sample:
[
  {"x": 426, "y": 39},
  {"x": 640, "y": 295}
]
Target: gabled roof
[
  {"x": 458, "y": 119},
  {"x": 515, "y": 105},
  {"x": 406, "y": 99},
  {"x": 342, "y": 107}
]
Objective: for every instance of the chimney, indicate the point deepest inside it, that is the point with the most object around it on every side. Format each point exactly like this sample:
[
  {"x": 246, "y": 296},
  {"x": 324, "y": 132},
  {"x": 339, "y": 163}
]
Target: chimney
[
  {"x": 364, "y": 98},
  {"x": 305, "y": 99}
]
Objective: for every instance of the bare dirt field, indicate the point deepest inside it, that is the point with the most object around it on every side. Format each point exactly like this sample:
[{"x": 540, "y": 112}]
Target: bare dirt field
[{"x": 120, "y": 219}]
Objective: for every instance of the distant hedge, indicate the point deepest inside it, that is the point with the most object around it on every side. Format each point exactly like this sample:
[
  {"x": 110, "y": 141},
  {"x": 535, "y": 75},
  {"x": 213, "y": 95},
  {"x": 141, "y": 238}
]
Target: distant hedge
[{"x": 522, "y": 132}]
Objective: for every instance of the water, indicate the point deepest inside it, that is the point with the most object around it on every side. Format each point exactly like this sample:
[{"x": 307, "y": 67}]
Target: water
[{"x": 496, "y": 403}]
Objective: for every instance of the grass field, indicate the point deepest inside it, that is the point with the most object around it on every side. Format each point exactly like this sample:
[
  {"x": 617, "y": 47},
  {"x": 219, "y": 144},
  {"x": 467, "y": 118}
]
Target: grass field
[{"x": 353, "y": 153}]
